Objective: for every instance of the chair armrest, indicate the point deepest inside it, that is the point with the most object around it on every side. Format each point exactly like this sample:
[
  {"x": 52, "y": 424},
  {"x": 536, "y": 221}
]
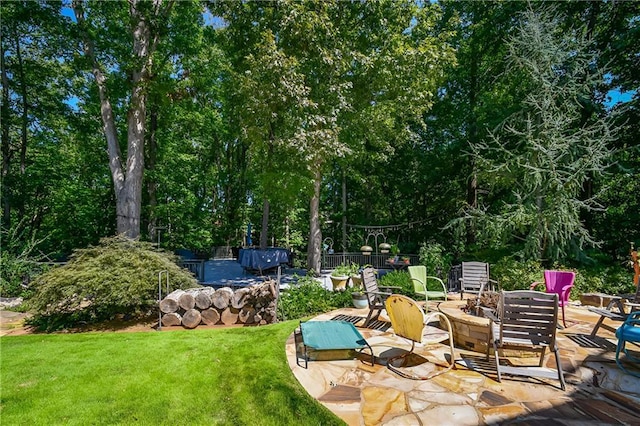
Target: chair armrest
[
  {"x": 534, "y": 284},
  {"x": 633, "y": 319},
  {"x": 633, "y": 306},
  {"x": 566, "y": 289},
  {"x": 420, "y": 281},
  {"x": 378, "y": 293},
  {"x": 488, "y": 313},
  {"x": 440, "y": 281},
  {"x": 496, "y": 283},
  {"x": 387, "y": 287}
]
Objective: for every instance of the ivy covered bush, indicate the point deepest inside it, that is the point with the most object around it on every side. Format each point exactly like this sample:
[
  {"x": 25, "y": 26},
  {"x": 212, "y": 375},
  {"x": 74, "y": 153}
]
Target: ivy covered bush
[{"x": 118, "y": 276}]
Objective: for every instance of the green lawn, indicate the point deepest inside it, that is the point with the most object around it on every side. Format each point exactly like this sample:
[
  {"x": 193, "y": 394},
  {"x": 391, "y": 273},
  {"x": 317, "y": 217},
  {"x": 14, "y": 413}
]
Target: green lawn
[{"x": 235, "y": 376}]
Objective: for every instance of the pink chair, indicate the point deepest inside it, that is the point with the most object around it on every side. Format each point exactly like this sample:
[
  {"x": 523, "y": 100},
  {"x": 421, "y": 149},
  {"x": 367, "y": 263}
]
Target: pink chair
[{"x": 559, "y": 282}]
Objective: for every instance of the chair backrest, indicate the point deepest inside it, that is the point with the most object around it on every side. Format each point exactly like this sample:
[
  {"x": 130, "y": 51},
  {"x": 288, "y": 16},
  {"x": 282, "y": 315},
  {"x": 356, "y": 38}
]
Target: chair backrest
[
  {"x": 474, "y": 276},
  {"x": 419, "y": 273},
  {"x": 370, "y": 283},
  {"x": 555, "y": 281},
  {"x": 528, "y": 316},
  {"x": 407, "y": 319}
]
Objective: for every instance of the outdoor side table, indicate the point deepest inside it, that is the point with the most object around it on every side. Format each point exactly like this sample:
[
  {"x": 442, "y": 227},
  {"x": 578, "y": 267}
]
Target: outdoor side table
[{"x": 331, "y": 335}]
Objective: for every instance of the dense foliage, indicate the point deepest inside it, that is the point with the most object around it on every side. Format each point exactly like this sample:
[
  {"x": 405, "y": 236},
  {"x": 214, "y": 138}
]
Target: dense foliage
[
  {"x": 118, "y": 276},
  {"x": 491, "y": 129},
  {"x": 308, "y": 298}
]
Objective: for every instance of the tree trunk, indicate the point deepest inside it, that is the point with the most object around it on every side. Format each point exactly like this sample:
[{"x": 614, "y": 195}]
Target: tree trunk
[
  {"x": 127, "y": 179},
  {"x": 191, "y": 318},
  {"x": 152, "y": 184},
  {"x": 171, "y": 319},
  {"x": 315, "y": 234},
  {"x": 472, "y": 126},
  {"x": 247, "y": 315},
  {"x": 344, "y": 211},
  {"x": 229, "y": 316},
  {"x": 222, "y": 297},
  {"x": 264, "y": 233},
  {"x": 187, "y": 301},
  {"x": 6, "y": 145},
  {"x": 210, "y": 316},
  {"x": 24, "y": 129},
  {"x": 171, "y": 302}
]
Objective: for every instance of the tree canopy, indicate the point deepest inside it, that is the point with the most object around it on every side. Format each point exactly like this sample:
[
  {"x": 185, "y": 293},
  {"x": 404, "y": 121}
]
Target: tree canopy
[{"x": 509, "y": 126}]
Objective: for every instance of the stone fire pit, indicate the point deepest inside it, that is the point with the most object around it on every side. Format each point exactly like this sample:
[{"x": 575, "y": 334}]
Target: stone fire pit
[
  {"x": 469, "y": 331},
  {"x": 472, "y": 331}
]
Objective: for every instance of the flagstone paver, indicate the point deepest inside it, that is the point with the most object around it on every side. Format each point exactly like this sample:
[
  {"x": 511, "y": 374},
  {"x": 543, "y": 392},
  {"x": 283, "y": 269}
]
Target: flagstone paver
[{"x": 597, "y": 391}]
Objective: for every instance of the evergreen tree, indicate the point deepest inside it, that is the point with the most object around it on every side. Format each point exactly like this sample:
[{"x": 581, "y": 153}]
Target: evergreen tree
[{"x": 540, "y": 158}]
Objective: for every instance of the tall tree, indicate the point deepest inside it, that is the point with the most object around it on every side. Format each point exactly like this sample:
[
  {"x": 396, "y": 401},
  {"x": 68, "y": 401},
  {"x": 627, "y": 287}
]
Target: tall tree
[
  {"x": 35, "y": 85},
  {"x": 542, "y": 155},
  {"x": 147, "y": 23}
]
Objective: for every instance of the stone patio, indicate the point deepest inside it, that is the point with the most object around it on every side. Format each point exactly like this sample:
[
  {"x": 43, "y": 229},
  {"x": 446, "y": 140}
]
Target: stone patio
[{"x": 597, "y": 391}]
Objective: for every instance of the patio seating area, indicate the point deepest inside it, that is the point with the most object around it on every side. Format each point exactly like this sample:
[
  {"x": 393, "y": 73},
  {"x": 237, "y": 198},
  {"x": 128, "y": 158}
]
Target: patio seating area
[{"x": 597, "y": 391}]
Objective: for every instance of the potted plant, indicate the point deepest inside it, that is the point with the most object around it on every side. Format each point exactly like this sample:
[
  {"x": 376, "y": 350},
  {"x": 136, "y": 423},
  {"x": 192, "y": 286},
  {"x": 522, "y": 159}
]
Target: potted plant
[
  {"x": 359, "y": 300},
  {"x": 395, "y": 251},
  {"x": 405, "y": 259},
  {"x": 340, "y": 276},
  {"x": 356, "y": 278}
]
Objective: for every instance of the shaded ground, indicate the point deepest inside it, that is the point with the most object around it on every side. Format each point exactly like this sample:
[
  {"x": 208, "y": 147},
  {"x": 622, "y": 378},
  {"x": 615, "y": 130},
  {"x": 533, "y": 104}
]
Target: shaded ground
[{"x": 228, "y": 272}]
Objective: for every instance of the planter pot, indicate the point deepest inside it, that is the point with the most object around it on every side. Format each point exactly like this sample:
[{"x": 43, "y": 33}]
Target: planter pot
[
  {"x": 360, "y": 300},
  {"x": 356, "y": 281},
  {"x": 339, "y": 283}
]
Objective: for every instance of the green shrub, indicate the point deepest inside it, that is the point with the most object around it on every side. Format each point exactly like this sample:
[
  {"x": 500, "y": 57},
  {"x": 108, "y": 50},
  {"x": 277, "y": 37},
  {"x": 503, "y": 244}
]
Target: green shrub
[
  {"x": 604, "y": 279},
  {"x": 518, "y": 275},
  {"x": 398, "y": 279},
  {"x": 514, "y": 274},
  {"x": 18, "y": 265},
  {"x": 435, "y": 258},
  {"x": 307, "y": 297},
  {"x": 119, "y": 276}
]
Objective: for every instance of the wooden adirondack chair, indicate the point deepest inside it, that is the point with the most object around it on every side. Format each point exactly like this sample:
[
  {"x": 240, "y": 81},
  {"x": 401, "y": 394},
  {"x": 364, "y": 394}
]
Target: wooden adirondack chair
[
  {"x": 526, "y": 320},
  {"x": 376, "y": 296},
  {"x": 615, "y": 310},
  {"x": 475, "y": 278}
]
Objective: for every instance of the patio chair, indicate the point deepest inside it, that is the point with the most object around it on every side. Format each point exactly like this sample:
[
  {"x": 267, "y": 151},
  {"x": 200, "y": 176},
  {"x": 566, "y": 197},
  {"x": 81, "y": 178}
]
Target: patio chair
[
  {"x": 409, "y": 321},
  {"x": 615, "y": 310},
  {"x": 526, "y": 320},
  {"x": 475, "y": 278},
  {"x": 628, "y": 332},
  {"x": 419, "y": 278},
  {"x": 375, "y": 297},
  {"x": 559, "y": 282}
]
